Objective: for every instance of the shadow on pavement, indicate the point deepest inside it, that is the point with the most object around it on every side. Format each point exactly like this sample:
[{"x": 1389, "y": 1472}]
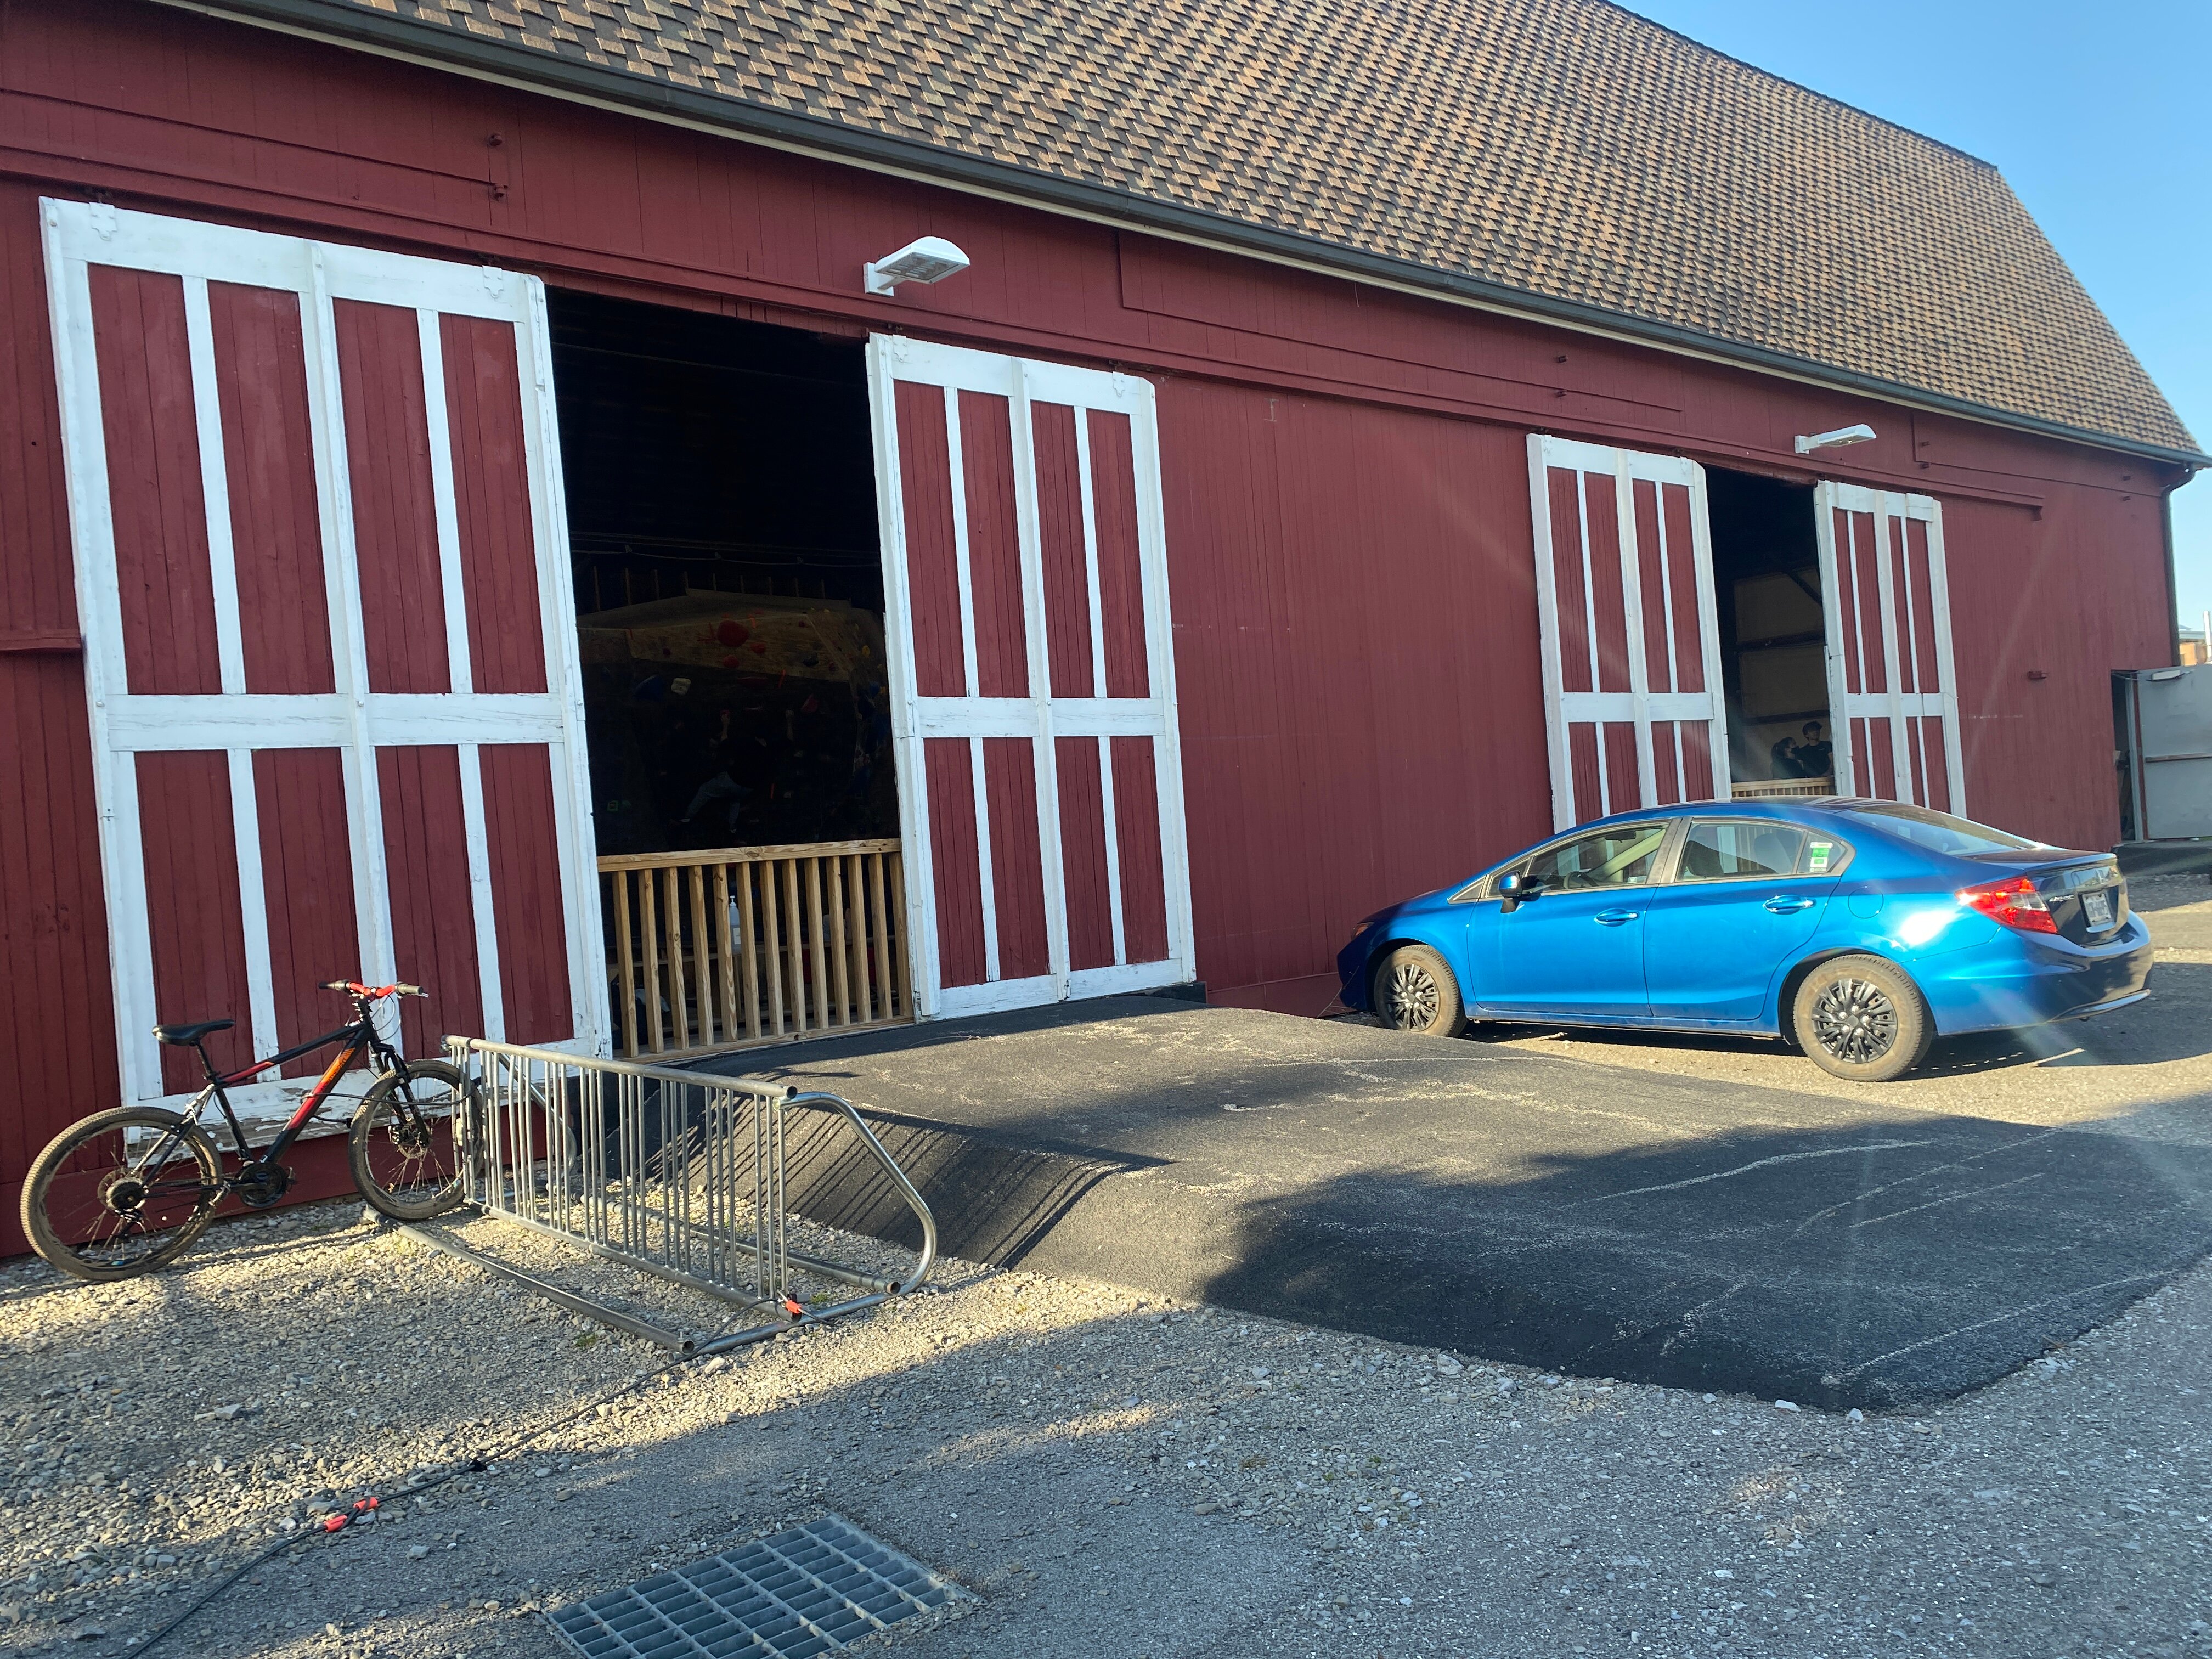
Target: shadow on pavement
[{"x": 1660, "y": 1229}]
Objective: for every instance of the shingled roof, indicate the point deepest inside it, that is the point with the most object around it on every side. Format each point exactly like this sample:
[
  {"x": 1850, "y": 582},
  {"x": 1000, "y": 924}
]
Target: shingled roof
[{"x": 1563, "y": 154}]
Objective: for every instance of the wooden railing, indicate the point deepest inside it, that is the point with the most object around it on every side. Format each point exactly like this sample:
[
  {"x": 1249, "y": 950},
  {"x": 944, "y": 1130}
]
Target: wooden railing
[
  {"x": 740, "y": 945},
  {"x": 1781, "y": 788}
]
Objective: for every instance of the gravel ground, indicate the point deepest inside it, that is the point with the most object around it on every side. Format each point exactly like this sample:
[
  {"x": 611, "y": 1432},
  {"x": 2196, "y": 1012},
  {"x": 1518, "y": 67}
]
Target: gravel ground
[{"x": 1108, "y": 1474}]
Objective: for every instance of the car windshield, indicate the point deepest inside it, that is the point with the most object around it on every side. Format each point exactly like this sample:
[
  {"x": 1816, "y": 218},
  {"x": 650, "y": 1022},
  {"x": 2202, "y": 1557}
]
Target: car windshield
[{"x": 1941, "y": 833}]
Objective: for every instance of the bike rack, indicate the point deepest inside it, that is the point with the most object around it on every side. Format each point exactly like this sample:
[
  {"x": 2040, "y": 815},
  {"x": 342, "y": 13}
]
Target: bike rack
[{"x": 680, "y": 1174}]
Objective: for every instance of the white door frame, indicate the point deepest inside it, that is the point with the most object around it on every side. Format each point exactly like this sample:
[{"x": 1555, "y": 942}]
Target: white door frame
[
  {"x": 352, "y": 719},
  {"x": 1640, "y": 703},
  {"x": 1039, "y": 716},
  {"x": 1893, "y": 705}
]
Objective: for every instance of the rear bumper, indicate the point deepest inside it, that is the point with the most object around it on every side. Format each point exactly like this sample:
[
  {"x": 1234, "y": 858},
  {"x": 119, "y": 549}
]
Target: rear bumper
[{"x": 2025, "y": 979}]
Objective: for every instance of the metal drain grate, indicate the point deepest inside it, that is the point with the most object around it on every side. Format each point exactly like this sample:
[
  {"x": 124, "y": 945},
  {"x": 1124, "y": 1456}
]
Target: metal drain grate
[{"x": 809, "y": 1591}]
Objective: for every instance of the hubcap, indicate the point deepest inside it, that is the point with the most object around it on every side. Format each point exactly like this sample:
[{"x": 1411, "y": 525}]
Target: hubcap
[
  {"x": 1411, "y": 997},
  {"x": 1854, "y": 1021}
]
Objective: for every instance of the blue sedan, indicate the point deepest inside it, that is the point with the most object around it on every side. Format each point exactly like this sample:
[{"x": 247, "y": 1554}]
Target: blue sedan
[{"x": 1860, "y": 929}]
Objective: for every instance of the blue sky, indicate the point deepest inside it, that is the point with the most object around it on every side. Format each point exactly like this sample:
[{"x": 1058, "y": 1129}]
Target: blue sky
[{"x": 2096, "y": 114}]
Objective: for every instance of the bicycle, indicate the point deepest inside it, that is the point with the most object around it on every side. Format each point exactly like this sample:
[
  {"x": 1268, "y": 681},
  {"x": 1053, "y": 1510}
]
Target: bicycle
[{"x": 126, "y": 1190}]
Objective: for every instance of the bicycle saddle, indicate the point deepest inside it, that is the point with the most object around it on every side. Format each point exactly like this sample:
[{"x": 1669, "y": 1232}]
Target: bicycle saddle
[{"x": 184, "y": 1036}]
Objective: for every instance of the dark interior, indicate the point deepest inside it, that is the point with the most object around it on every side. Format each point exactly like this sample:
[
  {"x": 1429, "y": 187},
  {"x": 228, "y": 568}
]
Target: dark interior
[
  {"x": 1766, "y": 578},
  {"x": 721, "y": 486}
]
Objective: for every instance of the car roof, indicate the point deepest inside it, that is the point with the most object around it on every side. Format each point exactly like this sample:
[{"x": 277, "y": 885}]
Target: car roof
[{"x": 1779, "y": 808}]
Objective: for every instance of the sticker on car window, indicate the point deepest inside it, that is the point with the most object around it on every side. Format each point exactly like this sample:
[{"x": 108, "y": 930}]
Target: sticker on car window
[{"x": 1821, "y": 851}]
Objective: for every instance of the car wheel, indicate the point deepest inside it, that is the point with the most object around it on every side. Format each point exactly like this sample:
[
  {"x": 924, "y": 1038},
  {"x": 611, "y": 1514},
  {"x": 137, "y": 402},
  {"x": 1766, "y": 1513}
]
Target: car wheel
[
  {"x": 1414, "y": 991},
  {"x": 1862, "y": 1018}
]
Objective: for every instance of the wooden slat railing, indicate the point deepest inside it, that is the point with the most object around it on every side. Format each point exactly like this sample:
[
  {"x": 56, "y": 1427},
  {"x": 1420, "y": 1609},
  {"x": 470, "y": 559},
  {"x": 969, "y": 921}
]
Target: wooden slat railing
[{"x": 740, "y": 945}]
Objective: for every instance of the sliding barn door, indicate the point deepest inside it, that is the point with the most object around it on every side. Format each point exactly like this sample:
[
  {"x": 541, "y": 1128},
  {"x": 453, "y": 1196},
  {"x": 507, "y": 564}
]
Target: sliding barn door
[
  {"x": 1631, "y": 638},
  {"x": 1893, "y": 693},
  {"x": 323, "y": 580},
  {"x": 1034, "y": 714}
]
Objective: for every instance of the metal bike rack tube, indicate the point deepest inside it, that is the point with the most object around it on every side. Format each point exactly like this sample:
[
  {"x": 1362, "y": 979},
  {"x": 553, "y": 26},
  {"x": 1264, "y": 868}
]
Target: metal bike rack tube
[{"x": 678, "y": 1173}]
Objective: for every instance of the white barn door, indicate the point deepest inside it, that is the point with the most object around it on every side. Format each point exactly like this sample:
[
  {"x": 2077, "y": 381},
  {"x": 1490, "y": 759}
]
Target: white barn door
[
  {"x": 329, "y": 642},
  {"x": 1033, "y": 701},
  {"x": 1893, "y": 690},
  {"x": 1631, "y": 638}
]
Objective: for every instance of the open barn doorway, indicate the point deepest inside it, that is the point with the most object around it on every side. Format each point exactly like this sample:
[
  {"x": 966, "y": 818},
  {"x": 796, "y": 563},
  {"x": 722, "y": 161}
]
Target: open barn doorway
[
  {"x": 720, "y": 489},
  {"x": 1773, "y": 635}
]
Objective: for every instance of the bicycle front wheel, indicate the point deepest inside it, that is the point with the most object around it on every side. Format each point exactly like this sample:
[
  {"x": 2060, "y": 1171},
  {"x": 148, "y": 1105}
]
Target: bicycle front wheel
[
  {"x": 402, "y": 1149},
  {"x": 121, "y": 1193}
]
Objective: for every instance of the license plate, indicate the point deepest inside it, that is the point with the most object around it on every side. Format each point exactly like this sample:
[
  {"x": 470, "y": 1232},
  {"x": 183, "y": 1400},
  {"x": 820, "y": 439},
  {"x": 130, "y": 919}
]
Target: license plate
[{"x": 2097, "y": 909}]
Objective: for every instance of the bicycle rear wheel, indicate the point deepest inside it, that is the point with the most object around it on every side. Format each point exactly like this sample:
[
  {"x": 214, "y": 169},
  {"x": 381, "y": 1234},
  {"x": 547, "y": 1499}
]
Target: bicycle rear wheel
[
  {"x": 401, "y": 1147},
  {"x": 102, "y": 1203}
]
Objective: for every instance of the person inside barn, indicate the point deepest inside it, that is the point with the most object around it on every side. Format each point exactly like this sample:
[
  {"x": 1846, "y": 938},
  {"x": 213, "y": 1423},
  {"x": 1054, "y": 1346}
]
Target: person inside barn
[{"x": 1813, "y": 757}]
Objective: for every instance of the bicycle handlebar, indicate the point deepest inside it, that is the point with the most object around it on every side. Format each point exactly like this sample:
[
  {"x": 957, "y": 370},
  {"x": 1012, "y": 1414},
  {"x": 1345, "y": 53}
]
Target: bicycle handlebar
[{"x": 374, "y": 993}]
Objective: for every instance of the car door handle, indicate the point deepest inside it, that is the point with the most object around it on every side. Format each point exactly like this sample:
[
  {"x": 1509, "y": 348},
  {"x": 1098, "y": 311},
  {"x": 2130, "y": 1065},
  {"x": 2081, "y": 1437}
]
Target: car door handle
[
  {"x": 1782, "y": 904},
  {"x": 1614, "y": 918}
]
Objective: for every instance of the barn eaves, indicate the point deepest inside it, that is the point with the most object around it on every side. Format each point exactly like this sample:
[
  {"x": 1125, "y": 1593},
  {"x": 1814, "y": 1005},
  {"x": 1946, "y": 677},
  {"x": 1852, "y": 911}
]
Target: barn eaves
[{"x": 1563, "y": 160}]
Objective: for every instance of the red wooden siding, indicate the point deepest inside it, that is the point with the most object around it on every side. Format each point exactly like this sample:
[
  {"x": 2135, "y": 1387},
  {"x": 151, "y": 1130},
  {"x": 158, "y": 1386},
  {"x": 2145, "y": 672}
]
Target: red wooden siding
[
  {"x": 933, "y": 559},
  {"x": 530, "y": 917},
  {"x": 1083, "y": 855},
  {"x": 1682, "y": 580},
  {"x": 994, "y": 557},
  {"x": 491, "y": 491},
  {"x": 275, "y": 524},
  {"x": 1583, "y": 761},
  {"x": 1608, "y": 608},
  {"x": 1621, "y": 777},
  {"x": 1650, "y": 576},
  {"x": 956, "y": 861},
  {"x": 1697, "y": 760},
  {"x": 1866, "y": 588},
  {"x": 395, "y": 515},
  {"x": 57, "y": 1012},
  {"x": 426, "y": 868},
  {"x": 1017, "y": 862},
  {"x": 1067, "y": 569},
  {"x": 153, "y": 483},
  {"x": 306, "y": 881},
  {"x": 1136, "y": 838},
  {"x": 1928, "y": 673},
  {"x": 191, "y": 904},
  {"x": 1937, "y": 763},
  {"x": 1666, "y": 778},
  {"x": 1120, "y": 585},
  {"x": 1564, "y": 488}
]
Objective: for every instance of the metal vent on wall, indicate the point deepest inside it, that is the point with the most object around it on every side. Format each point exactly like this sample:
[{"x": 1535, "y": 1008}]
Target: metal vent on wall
[{"x": 812, "y": 1589}]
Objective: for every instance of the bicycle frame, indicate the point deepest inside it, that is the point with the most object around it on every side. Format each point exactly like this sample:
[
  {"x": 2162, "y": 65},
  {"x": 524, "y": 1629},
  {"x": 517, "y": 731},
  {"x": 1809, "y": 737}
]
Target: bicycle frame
[{"x": 359, "y": 1036}]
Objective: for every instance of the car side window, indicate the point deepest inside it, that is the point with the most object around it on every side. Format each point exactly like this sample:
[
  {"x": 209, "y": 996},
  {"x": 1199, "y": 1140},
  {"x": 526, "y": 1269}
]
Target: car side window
[
  {"x": 1737, "y": 848},
  {"x": 1620, "y": 857}
]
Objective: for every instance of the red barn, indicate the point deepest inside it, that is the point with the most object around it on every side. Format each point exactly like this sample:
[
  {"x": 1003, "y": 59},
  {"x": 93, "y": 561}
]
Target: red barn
[{"x": 476, "y": 514}]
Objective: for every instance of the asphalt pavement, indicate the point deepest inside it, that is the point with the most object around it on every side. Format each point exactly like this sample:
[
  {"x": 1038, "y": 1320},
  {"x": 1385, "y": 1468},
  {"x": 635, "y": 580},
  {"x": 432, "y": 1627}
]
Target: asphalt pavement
[{"x": 1653, "y": 1222}]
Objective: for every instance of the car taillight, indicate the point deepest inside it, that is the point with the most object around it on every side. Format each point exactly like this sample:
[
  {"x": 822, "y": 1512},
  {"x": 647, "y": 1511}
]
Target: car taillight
[{"x": 2013, "y": 901}]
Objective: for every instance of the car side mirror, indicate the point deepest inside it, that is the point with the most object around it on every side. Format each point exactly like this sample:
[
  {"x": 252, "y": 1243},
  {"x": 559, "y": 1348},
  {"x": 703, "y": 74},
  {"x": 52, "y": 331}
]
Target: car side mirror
[{"x": 1512, "y": 890}]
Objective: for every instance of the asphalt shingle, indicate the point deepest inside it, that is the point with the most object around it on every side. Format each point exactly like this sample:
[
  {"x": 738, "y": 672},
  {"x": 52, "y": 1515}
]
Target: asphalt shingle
[{"x": 1566, "y": 149}]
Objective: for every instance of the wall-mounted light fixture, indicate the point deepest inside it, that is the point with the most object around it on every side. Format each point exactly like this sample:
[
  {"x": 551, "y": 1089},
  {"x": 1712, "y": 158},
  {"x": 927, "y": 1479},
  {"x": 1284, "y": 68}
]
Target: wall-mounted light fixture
[
  {"x": 1842, "y": 435},
  {"x": 926, "y": 259}
]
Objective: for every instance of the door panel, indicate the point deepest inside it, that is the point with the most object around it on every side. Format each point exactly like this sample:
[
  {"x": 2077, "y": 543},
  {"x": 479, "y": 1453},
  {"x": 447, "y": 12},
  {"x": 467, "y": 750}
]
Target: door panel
[
  {"x": 1893, "y": 694},
  {"x": 1738, "y": 909},
  {"x": 1553, "y": 956},
  {"x": 1033, "y": 706},
  {"x": 1575, "y": 948},
  {"x": 330, "y": 647},
  {"x": 1631, "y": 640}
]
